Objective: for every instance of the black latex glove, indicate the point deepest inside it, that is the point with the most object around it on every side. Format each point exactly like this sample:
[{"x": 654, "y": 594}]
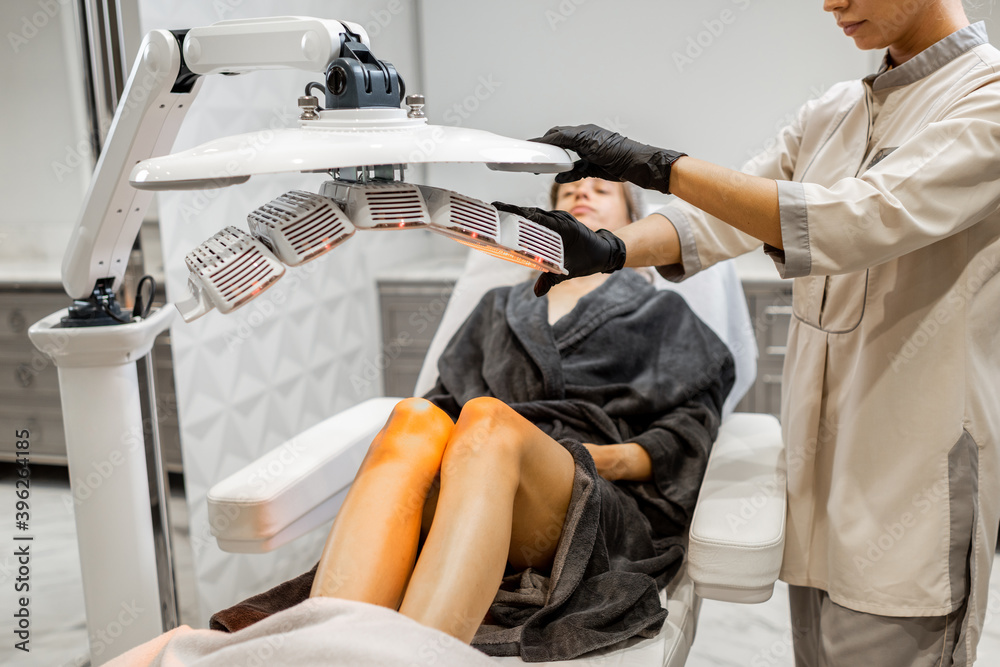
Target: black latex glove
[
  {"x": 609, "y": 155},
  {"x": 585, "y": 252}
]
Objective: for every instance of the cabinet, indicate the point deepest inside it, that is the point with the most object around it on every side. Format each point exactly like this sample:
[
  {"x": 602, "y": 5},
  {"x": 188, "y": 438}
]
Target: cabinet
[
  {"x": 410, "y": 314},
  {"x": 770, "y": 306},
  {"x": 29, "y": 381}
]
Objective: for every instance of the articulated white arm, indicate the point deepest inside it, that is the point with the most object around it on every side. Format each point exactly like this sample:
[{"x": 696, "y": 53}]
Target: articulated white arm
[
  {"x": 278, "y": 42},
  {"x": 149, "y": 116},
  {"x": 145, "y": 124}
]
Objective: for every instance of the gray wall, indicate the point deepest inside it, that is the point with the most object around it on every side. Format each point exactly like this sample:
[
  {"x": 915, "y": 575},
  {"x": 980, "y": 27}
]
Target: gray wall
[
  {"x": 45, "y": 154},
  {"x": 714, "y": 78}
]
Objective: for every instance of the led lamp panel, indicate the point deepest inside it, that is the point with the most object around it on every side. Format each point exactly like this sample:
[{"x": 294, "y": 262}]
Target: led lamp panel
[
  {"x": 533, "y": 244},
  {"x": 462, "y": 218},
  {"x": 383, "y": 205},
  {"x": 477, "y": 224},
  {"x": 300, "y": 226},
  {"x": 232, "y": 268}
]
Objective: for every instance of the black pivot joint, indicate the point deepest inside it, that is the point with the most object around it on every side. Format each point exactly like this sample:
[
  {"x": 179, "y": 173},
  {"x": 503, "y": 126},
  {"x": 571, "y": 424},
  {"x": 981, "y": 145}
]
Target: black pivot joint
[
  {"x": 185, "y": 77},
  {"x": 99, "y": 310},
  {"x": 359, "y": 80}
]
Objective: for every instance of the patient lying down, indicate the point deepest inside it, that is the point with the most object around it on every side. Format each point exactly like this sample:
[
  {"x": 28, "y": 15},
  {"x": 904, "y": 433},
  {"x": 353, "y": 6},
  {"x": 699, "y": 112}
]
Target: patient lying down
[{"x": 537, "y": 498}]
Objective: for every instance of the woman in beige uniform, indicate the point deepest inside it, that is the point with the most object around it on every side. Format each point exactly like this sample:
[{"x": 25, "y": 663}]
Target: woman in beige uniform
[{"x": 881, "y": 200}]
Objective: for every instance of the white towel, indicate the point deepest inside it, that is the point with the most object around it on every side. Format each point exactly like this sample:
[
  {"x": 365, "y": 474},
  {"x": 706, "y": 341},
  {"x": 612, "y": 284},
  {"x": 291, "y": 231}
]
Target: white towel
[{"x": 319, "y": 631}]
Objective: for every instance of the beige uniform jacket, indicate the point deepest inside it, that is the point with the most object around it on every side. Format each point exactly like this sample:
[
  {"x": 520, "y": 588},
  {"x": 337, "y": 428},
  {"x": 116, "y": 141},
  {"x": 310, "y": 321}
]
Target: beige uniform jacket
[{"x": 889, "y": 190}]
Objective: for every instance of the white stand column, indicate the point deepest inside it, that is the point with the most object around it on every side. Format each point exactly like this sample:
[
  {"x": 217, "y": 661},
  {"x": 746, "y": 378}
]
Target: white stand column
[{"x": 99, "y": 389}]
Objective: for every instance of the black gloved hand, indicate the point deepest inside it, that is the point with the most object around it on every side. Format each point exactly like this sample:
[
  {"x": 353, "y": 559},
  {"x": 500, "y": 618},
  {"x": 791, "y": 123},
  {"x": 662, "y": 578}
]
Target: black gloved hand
[
  {"x": 609, "y": 155},
  {"x": 585, "y": 252}
]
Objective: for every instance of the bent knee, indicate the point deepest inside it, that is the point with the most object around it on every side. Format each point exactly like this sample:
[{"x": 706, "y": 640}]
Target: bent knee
[
  {"x": 489, "y": 429},
  {"x": 417, "y": 429},
  {"x": 419, "y": 409},
  {"x": 421, "y": 416},
  {"x": 486, "y": 409}
]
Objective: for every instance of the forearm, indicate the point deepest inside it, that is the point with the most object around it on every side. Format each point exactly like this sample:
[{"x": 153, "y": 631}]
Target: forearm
[
  {"x": 651, "y": 241},
  {"x": 627, "y": 461},
  {"x": 748, "y": 203}
]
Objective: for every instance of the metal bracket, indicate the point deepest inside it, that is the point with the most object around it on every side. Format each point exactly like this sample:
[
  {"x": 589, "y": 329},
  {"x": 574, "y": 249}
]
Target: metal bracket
[{"x": 359, "y": 80}]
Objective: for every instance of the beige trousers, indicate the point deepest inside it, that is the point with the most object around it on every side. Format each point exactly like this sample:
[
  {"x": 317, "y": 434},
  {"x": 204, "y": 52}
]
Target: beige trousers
[{"x": 828, "y": 635}]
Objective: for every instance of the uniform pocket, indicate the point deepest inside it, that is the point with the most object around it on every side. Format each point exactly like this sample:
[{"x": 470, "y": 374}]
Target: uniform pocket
[{"x": 835, "y": 304}]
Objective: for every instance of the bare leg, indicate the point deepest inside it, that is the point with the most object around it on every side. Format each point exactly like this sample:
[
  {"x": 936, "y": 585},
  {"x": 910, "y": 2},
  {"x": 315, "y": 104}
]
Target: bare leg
[
  {"x": 505, "y": 490},
  {"x": 372, "y": 546}
]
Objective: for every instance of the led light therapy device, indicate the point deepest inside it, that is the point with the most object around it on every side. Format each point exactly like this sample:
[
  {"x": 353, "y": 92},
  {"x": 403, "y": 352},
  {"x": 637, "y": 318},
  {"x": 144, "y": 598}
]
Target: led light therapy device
[{"x": 355, "y": 129}]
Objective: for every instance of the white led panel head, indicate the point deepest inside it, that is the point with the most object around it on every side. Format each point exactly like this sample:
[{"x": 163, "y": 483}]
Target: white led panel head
[
  {"x": 478, "y": 225},
  {"x": 227, "y": 271},
  {"x": 389, "y": 205},
  {"x": 528, "y": 243},
  {"x": 462, "y": 218},
  {"x": 300, "y": 226}
]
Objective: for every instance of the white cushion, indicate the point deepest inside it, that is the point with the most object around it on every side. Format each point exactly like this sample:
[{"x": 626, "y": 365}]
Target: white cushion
[
  {"x": 737, "y": 534},
  {"x": 296, "y": 487}
]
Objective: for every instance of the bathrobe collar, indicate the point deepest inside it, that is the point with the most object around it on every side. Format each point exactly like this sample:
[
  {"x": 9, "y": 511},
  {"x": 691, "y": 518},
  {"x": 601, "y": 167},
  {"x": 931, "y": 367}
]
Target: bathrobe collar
[{"x": 527, "y": 317}]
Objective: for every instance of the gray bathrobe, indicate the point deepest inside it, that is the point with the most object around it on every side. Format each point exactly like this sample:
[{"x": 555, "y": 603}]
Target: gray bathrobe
[{"x": 628, "y": 364}]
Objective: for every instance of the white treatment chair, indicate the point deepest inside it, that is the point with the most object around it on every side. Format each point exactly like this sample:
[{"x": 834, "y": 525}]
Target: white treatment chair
[{"x": 738, "y": 530}]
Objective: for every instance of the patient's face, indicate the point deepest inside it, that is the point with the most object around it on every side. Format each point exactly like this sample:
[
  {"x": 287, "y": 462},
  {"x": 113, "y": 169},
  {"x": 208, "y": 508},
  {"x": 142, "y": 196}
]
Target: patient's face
[{"x": 596, "y": 203}]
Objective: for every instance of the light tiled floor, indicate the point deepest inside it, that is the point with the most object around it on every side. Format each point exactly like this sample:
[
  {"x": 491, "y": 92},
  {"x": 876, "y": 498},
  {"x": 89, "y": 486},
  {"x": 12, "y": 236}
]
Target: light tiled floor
[
  {"x": 59, "y": 632},
  {"x": 728, "y": 635}
]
